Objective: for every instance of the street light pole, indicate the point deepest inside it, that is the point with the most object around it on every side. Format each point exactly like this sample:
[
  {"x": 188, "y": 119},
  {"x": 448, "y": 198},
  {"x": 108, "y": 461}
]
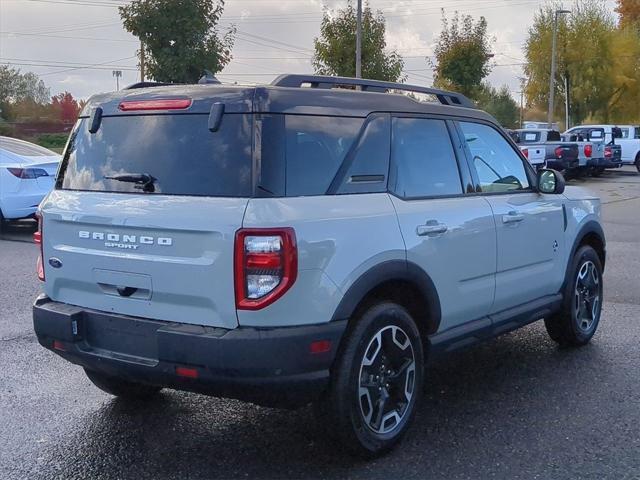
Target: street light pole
[
  {"x": 117, "y": 74},
  {"x": 359, "y": 40},
  {"x": 552, "y": 79}
]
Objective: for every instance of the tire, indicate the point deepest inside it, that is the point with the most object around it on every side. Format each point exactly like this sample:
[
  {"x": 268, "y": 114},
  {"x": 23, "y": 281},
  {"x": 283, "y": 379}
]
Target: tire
[
  {"x": 577, "y": 321},
  {"x": 361, "y": 381},
  {"x": 3, "y": 222},
  {"x": 121, "y": 388},
  {"x": 638, "y": 162}
]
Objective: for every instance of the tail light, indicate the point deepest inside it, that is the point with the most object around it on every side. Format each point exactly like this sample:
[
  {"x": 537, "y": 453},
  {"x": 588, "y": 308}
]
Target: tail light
[
  {"x": 28, "y": 173},
  {"x": 37, "y": 239},
  {"x": 525, "y": 152},
  {"x": 266, "y": 266},
  {"x": 558, "y": 152},
  {"x": 608, "y": 152},
  {"x": 588, "y": 151}
]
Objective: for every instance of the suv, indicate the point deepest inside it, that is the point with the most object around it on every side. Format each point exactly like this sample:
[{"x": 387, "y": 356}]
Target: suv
[{"x": 286, "y": 245}]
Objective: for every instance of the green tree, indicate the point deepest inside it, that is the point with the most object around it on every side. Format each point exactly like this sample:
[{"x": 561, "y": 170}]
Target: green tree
[
  {"x": 335, "y": 50},
  {"x": 462, "y": 54},
  {"x": 598, "y": 60},
  {"x": 180, "y": 37},
  {"x": 499, "y": 103},
  {"x": 16, "y": 86}
]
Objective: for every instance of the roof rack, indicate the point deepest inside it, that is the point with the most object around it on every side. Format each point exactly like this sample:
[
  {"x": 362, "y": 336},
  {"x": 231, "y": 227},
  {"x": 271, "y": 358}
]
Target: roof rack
[
  {"x": 146, "y": 85},
  {"x": 320, "y": 81}
]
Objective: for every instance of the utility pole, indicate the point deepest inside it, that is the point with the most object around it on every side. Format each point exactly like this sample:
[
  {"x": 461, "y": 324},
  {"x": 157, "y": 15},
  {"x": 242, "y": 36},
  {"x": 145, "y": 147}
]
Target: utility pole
[
  {"x": 566, "y": 102},
  {"x": 359, "y": 40},
  {"x": 552, "y": 79},
  {"x": 117, "y": 74},
  {"x": 521, "y": 107},
  {"x": 142, "y": 61}
]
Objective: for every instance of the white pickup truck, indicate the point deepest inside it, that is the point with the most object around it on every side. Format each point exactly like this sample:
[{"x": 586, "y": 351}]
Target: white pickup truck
[{"x": 629, "y": 142}]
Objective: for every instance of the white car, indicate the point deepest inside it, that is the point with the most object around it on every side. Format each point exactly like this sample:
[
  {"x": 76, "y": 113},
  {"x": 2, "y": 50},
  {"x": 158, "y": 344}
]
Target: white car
[
  {"x": 27, "y": 174},
  {"x": 629, "y": 142}
]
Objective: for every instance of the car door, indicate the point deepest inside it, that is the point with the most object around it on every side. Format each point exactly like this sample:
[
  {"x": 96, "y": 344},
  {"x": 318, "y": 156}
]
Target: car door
[
  {"x": 529, "y": 225},
  {"x": 447, "y": 233}
]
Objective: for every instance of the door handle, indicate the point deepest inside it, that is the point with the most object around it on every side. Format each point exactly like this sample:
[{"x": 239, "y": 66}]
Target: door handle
[
  {"x": 431, "y": 228},
  {"x": 512, "y": 217}
]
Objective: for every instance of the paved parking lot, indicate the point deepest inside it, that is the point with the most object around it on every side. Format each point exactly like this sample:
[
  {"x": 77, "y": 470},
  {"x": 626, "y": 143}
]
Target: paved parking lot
[{"x": 515, "y": 407}]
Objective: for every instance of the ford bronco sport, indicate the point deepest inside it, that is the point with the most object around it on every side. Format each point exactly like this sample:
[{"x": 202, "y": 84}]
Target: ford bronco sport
[{"x": 311, "y": 240}]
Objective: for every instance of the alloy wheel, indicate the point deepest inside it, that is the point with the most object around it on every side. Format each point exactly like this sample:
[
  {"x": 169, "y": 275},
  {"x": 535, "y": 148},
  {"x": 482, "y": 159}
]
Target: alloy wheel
[
  {"x": 387, "y": 379},
  {"x": 587, "y": 296}
]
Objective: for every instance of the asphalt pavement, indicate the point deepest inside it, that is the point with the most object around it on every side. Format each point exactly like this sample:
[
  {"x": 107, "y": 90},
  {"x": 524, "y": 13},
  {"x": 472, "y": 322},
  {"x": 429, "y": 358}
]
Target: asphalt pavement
[{"x": 517, "y": 407}]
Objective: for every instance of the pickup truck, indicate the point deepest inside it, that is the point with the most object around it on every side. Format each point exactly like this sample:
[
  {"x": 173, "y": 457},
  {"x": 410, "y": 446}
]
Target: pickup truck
[
  {"x": 559, "y": 155},
  {"x": 596, "y": 153},
  {"x": 629, "y": 140}
]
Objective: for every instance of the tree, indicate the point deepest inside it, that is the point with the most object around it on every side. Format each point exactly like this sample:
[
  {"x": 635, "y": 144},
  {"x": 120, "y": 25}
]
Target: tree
[
  {"x": 462, "y": 54},
  {"x": 598, "y": 60},
  {"x": 16, "y": 86},
  {"x": 66, "y": 107},
  {"x": 499, "y": 103},
  {"x": 180, "y": 37},
  {"x": 629, "y": 11},
  {"x": 335, "y": 50}
]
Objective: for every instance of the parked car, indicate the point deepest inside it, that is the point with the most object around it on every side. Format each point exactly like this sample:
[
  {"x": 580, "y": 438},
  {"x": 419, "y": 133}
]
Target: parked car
[
  {"x": 535, "y": 155},
  {"x": 628, "y": 140},
  {"x": 598, "y": 151},
  {"x": 286, "y": 245},
  {"x": 562, "y": 156},
  {"x": 27, "y": 173}
]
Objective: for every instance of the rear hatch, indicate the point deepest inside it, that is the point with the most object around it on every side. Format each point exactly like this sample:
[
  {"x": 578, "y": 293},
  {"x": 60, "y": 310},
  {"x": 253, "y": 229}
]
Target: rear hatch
[{"x": 145, "y": 210}]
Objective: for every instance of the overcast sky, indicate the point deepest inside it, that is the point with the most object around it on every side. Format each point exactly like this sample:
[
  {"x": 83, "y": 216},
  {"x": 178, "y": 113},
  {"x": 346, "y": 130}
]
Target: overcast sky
[{"x": 60, "y": 39}]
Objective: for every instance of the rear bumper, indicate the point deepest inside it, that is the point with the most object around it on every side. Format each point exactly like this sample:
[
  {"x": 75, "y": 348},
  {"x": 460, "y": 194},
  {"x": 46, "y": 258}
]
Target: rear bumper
[
  {"x": 266, "y": 366},
  {"x": 561, "y": 164}
]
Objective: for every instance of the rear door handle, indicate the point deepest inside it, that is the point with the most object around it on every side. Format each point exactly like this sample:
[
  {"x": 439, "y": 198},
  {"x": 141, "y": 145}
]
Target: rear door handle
[
  {"x": 512, "y": 217},
  {"x": 431, "y": 228}
]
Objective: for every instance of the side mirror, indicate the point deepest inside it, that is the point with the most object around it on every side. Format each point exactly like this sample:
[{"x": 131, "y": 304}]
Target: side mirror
[{"x": 550, "y": 181}]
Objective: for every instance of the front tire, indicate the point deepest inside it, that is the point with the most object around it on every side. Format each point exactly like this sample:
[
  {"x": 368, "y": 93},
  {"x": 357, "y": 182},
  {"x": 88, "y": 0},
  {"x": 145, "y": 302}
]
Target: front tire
[
  {"x": 377, "y": 381},
  {"x": 121, "y": 388},
  {"x": 577, "y": 321},
  {"x": 638, "y": 162}
]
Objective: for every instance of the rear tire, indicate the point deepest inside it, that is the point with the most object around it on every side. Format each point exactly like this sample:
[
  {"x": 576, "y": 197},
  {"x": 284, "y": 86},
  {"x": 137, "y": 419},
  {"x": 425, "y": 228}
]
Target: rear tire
[
  {"x": 577, "y": 321},
  {"x": 638, "y": 162},
  {"x": 376, "y": 381},
  {"x": 121, "y": 388}
]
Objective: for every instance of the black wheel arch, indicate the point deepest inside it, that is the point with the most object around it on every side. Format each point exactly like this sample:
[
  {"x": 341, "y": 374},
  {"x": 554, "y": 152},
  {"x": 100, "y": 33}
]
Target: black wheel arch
[
  {"x": 592, "y": 234},
  {"x": 397, "y": 280}
]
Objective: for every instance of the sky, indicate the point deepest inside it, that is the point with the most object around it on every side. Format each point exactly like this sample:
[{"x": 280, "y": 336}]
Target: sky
[{"x": 74, "y": 45}]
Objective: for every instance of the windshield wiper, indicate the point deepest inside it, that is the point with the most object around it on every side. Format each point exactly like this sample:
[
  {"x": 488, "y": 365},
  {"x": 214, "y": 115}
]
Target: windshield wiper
[{"x": 143, "y": 181}]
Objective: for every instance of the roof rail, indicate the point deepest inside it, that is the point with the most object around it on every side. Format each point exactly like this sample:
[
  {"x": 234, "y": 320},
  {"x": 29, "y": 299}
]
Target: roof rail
[
  {"x": 320, "y": 81},
  {"x": 147, "y": 85}
]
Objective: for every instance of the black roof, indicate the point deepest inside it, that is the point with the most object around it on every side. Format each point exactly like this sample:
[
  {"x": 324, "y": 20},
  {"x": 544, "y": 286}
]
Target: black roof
[{"x": 299, "y": 94}]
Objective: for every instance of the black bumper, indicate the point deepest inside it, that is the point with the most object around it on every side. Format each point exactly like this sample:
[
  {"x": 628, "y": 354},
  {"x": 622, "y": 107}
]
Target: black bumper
[
  {"x": 272, "y": 366},
  {"x": 562, "y": 164}
]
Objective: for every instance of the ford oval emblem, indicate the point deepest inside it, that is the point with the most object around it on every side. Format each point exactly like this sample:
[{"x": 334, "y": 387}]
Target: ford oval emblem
[{"x": 55, "y": 262}]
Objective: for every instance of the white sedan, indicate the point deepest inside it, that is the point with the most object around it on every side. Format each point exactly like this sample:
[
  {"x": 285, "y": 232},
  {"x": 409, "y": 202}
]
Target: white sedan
[{"x": 27, "y": 174}]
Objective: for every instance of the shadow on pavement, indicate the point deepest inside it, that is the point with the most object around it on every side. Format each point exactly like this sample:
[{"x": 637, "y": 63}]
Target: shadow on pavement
[{"x": 18, "y": 231}]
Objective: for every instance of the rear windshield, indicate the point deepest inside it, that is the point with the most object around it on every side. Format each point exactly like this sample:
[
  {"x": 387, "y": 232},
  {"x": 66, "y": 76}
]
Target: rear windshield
[
  {"x": 178, "y": 151},
  {"x": 529, "y": 137}
]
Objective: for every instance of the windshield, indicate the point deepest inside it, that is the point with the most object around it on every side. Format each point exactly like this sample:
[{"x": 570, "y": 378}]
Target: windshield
[{"x": 178, "y": 152}]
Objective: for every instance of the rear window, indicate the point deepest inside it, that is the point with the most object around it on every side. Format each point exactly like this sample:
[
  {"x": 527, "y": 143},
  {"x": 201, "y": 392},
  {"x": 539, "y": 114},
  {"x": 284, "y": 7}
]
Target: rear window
[
  {"x": 529, "y": 137},
  {"x": 178, "y": 151}
]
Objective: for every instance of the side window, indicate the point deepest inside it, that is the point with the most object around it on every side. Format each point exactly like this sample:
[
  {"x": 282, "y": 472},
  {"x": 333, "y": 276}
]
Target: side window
[
  {"x": 637, "y": 132},
  {"x": 366, "y": 168},
  {"x": 499, "y": 167},
  {"x": 625, "y": 132},
  {"x": 301, "y": 154},
  {"x": 423, "y": 162}
]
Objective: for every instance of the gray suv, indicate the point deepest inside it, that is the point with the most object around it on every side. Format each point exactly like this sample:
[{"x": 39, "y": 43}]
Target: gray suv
[{"x": 311, "y": 240}]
